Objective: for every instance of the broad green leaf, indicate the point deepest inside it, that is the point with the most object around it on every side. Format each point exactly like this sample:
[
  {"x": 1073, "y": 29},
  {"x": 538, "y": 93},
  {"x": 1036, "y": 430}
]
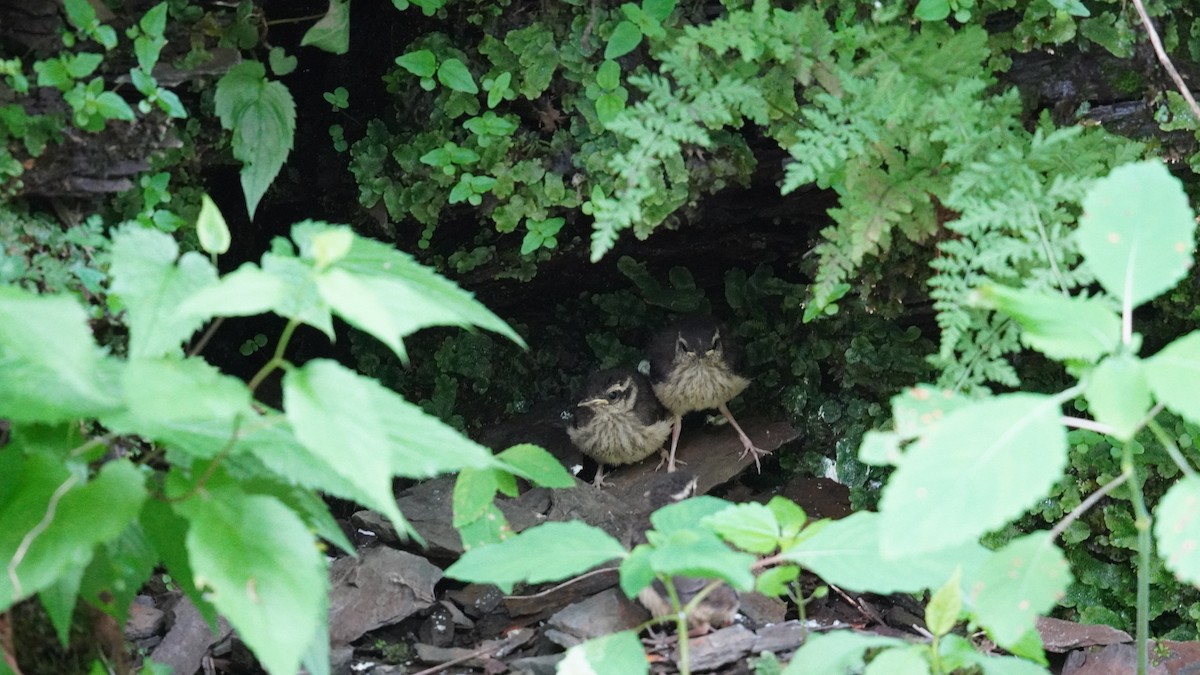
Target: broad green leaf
[
  {"x": 262, "y": 116},
  {"x": 474, "y": 492},
  {"x": 687, "y": 514},
  {"x": 154, "y": 21},
  {"x": 1060, "y": 327},
  {"x": 636, "y": 572},
  {"x": 1137, "y": 232},
  {"x": 944, "y": 605},
  {"x": 932, "y": 10},
  {"x": 387, "y": 294},
  {"x": 1177, "y": 529},
  {"x": 699, "y": 553},
  {"x": 1173, "y": 373},
  {"x": 837, "y": 651},
  {"x": 246, "y": 291},
  {"x": 608, "y": 75},
  {"x": 153, "y": 281},
  {"x": 118, "y": 571},
  {"x": 906, "y": 660},
  {"x": 166, "y": 390},
  {"x": 490, "y": 528},
  {"x": 455, "y": 75},
  {"x": 789, "y": 515},
  {"x": 535, "y": 464},
  {"x": 624, "y": 39},
  {"x": 608, "y": 106},
  {"x": 167, "y": 533},
  {"x": 50, "y": 367},
  {"x": 775, "y": 581},
  {"x": 880, "y": 448},
  {"x": 751, "y": 527},
  {"x": 846, "y": 553},
  {"x": 303, "y": 302},
  {"x": 53, "y": 520},
  {"x": 421, "y": 63},
  {"x": 307, "y": 504},
  {"x": 368, "y": 433},
  {"x": 59, "y": 600},
  {"x": 260, "y": 567},
  {"x": 993, "y": 459},
  {"x": 1017, "y": 583},
  {"x": 918, "y": 409},
  {"x": 211, "y": 228},
  {"x": 1118, "y": 394},
  {"x": 658, "y": 10},
  {"x": 332, "y": 32},
  {"x": 617, "y": 654},
  {"x": 548, "y": 552},
  {"x": 1006, "y": 665},
  {"x": 281, "y": 63}
]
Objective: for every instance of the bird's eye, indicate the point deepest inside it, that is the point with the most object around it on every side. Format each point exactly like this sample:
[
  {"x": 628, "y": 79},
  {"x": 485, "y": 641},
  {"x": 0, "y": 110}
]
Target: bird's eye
[{"x": 613, "y": 394}]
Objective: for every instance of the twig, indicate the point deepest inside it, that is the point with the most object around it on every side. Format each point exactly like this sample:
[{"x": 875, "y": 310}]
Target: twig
[
  {"x": 563, "y": 585},
  {"x": 1087, "y": 504},
  {"x": 37, "y": 530},
  {"x": 494, "y": 650},
  {"x": 1165, "y": 61}
]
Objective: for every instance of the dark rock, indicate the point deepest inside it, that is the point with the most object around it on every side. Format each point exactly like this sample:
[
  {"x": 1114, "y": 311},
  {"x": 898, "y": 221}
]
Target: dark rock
[
  {"x": 761, "y": 610},
  {"x": 188, "y": 639},
  {"x": 1063, "y": 636},
  {"x": 379, "y": 589},
  {"x": 144, "y": 621},
  {"x": 781, "y": 637},
  {"x": 718, "y": 648},
  {"x": 536, "y": 665},
  {"x": 608, "y": 612},
  {"x": 438, "y": 628}
]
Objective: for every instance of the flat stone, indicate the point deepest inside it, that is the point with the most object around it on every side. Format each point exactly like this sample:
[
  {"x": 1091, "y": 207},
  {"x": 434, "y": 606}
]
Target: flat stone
[
  {"x": 381, "y": 588},
  {"x": 719, "y": 648},
  {"x": 602, "y": 614},
  {"x": 536, "y": 665},
  {"x": 144, "y": 621},
  {"x": 780, "y": 637},
  {"x": 188, "y": 639},
  {"x": 762, "y": 610},
  {"x": 1063, "y": 636}
]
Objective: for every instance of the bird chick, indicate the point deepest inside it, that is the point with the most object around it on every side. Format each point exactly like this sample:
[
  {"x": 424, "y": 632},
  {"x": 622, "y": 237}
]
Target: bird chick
[
  {"x": 693, "y": 366},
  {"x": 719, "y": 606},
  {"x": 618, "y": 420}
]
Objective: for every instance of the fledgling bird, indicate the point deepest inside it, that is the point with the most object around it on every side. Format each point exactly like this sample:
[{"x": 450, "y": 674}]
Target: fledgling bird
[
  {"x": 721, "y": 604},
  {"x": 694, "y": 366},
  {"x": 618, "y": 420}
]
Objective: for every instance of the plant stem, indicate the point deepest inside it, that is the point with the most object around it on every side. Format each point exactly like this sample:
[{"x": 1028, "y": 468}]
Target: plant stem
[
  {"x": 1172, "y": 449},
  {"x": 1142, "y": 522},
  {"x": 1166, "y": 62},
  {"x": 681, "y": 628},
  {"x": 1087, "y": 504},
  {"x": 277, "y": 360}
]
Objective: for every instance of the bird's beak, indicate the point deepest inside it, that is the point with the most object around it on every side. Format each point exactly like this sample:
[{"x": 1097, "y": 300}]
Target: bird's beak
[{"x": 593, "y": 402}]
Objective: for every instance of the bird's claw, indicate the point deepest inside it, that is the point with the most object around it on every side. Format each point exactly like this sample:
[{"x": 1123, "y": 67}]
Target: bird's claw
[{"x": 757, "y": 452}]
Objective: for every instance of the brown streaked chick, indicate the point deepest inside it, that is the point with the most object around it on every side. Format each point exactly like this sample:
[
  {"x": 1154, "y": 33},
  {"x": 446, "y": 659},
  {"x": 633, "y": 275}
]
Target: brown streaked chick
[
  {"x": 721, "y": 604},
  {"x": 618, "y": 420},
  {"x": 694, "y": 366}
]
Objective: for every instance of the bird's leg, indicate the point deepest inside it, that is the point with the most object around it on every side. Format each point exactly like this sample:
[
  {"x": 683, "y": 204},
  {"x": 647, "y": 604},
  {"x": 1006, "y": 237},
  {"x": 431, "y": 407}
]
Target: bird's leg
[
  {"x": 598, "y": 480},
  {"x": 748, "y": 447},
  {"x": 675, "y": 429}
]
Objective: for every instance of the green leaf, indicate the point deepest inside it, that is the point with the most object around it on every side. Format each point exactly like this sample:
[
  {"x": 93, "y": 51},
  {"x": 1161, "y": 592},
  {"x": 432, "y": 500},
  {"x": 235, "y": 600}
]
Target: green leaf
[
  {"x": 1017, "y": 583},
  {"x": 261, "y": 568},
  {"x": 993, "y": 459},
  {"x": 789, "y": 515},
  {"x": 490, "y": 528},
  {"x": 658, "y": 10},
  {"x": 474, "y": 490},
  {"x": 775, "y": 581},
  {"x": 332, "y": 32},
  {"x": 608, "y": 106},
  {"x": 636, "y": 572},
  {"x": 1059, "y": 327},
  {"x": 617, "y": 654},
  {"x": 535, "y": 464},
  {"x": 384, "y": 292},
  {"x": 455, "y": 75},
  {"x": 152, "y": 285},
  {"x": 920, "y": 408},
  {"x": 211, "y": 228},
  {"x": 750, "y": 527},
  {"x": 161, "y": 391},
  {"x": 906, "y": 660},
  {"x": 1118, "y": 394},
  {"x": 119, "y": 569},
  {"x": 624, "y": 39},
  {"x": 154, "y": 21},
  {"x": 846, "y": 553},
  {"x": 246, "y": 291},
  {"x": 685, "y": 515},
  {"x": 499, "y": 89},
  {"x": 699, "y": 553},
  {"x": 111, "y": 106},
  {"x": 262, "y": 116},
  {"x": 932, "y": 10},
  {"x": 1177, "y": 529},
  {"x": 838, "y": 651},
  {"x": 608, "y": 75},
  {"x": 1137, "y": 232},
  {"x": 944, "y": 606},
  {"x": 421, "y": 63},
  {"x": 59, "y": 599},
  {"x": 52, "y": 520},
  {"x": 281, "y": 64},
  {"x": 81, "y": 65},
  {"x": 1173, "y": 374},
  {"x": 548, "y": 552},
  {"x": 50, "y": 367},
  {"x": 368, "y": 433}
]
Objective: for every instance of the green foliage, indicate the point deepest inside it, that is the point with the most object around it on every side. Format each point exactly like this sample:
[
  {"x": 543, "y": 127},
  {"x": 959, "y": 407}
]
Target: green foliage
[
  {"x": 230, "y": 508},
  {"x": 332, "y": 31},
  {"x": 262, "y": 116}
]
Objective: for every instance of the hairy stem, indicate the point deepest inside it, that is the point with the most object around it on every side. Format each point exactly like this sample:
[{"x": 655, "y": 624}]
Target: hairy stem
[
  {"x": 1142, "y": 522},
  {"x": 277, "y": 360},
  {"x": 1172, "y": 449}
]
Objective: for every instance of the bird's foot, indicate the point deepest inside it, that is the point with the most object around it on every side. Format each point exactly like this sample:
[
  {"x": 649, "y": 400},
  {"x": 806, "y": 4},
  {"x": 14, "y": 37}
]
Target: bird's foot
[
  {"x": 598, "y": 481},
  {"x": 748, "y": 448},
  {"x": 664, "y": 457}
]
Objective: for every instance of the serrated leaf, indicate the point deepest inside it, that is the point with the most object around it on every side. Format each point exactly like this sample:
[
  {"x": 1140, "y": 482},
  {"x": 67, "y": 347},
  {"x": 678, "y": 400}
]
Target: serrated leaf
[
  {"x": 944, "y": 605},
  {"x": 153, "y": 284},
  {"x": 751, "y": 527},
  {"x": 535, "y": 464},
  {"x": 474, "y": 490},
  {"x": 387, "y": 294},
  {"x": 846, "y": 553},
  {"x": 262, "y": 116},
  {"x": 71, "y": 518},
  {"x": 59, "y": 600},
  {"x": 490, "y": 528},
  {"x": 993, "y": 459},
  {"x": 616, "y": 654},
  {"x": 161, "y": 391},
  {"x": 775, "y": 581},
  {"x": 211, "y": 227},
  {"x": 1177, "y": 529},
  {"x": 119, "y": 569},
  {"x": 246, "y": 291},
  {"x": 1118, "y": 395},
  {"x": 548, "y": 552},
  {"x": 658, "y": 10},
  {"x": 260, "y": 568},
  {"x": 421, "y": 63},
  {"x": 699, "y": 553},
  {"x": 1017, "y": 583},
  {"x": 636, "y": 572},
  {"x": 837, "y": 651},
  {"x": 624, "y": 39},
  {"x": 332, "y": 32},
  {"x": 789, "y": 515},
  {"x": 687, "y": 514},
  {"x": 50, "y": 367},
  {"x": 455, "y": 75},
  {"x": 1137, "y": 232},
  {"x": 1060, "y": 327},
  {"x": 906, "y": 660},
  {"x": 918, "y": 409},
  {"x": 1173, "y": 373},
  {"x": 369, "y": 433}
]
